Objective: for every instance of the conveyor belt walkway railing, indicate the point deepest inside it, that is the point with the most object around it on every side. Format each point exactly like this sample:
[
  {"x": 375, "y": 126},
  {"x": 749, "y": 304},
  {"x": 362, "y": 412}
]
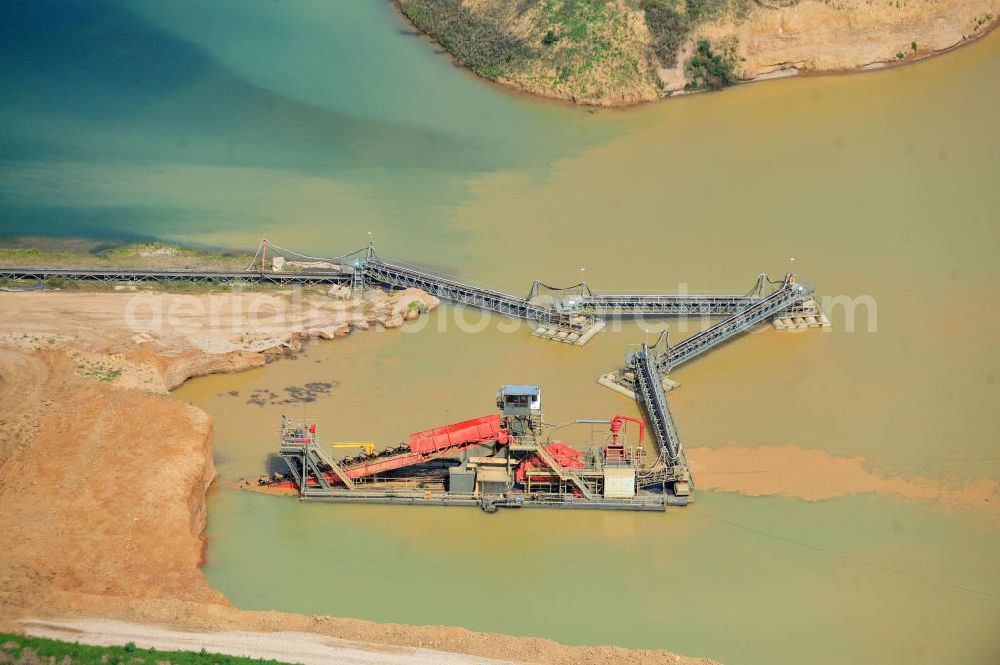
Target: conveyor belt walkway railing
[
  {"x": 394, "y": 275},
  {"x": 788, "y": 294},
  {"x": 197, "y": 276},
  {"x": 573, "y": 313},
  {"x": 649, "y": 389},
  {"x": 665, "y": 304}
]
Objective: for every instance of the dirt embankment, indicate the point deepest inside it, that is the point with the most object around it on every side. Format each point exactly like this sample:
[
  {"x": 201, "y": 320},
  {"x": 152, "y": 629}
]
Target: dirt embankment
[
  {"x": 103, "y": 473},
  {"x": 845, "y": 35}
]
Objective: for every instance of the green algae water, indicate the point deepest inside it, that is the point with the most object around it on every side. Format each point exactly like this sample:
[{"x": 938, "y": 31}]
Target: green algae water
[{"x": 314, "y": 123}]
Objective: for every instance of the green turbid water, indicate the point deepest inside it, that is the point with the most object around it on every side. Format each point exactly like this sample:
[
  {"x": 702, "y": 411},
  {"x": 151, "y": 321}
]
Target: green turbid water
[{"x": 315, "y": 123}]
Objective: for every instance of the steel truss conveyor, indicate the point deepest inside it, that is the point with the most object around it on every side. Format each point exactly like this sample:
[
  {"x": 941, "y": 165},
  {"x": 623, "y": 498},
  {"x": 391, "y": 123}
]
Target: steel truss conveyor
[
  {"x": 195, "y": 276},
  {"x": 786, "y": 295},
  {"x": 395, "y": 276},
  {"x": 574, "y": 309},
  {"x": 573, "y": 313},
  {"x": 666, "y": 304},
  {"x": 671, "y": 466}
]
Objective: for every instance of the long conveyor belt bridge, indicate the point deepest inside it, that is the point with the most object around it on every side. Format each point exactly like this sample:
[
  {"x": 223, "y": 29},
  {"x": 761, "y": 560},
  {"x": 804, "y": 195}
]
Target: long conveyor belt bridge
[
  {"x": 570, "y": 314},
  {"x": 574, "y": 311}
]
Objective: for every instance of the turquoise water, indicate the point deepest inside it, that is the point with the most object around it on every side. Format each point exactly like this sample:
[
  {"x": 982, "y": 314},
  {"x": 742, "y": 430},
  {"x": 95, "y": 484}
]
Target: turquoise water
[
  {"x": 314, "y": 123},
  {"x": 146, "y": 119}
]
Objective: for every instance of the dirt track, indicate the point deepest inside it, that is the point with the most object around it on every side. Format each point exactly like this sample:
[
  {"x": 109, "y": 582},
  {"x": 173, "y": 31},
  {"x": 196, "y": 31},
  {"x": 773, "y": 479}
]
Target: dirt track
[{"x": 308, "y": 648}]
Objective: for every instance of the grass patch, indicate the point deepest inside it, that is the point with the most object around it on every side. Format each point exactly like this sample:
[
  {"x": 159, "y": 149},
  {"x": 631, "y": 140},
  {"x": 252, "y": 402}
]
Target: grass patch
[
  {"x": 139, "y": 256},
  {"x": 669, "y": 26},
  {"x": 671, "y": 23},
  {"x": 583, "y": 50},
  {"x": 575, "y": 19},
  {"x": 38, "y": 651},
  {"x": 98, "y": 370},
  {"x": 705, "y": 10},
  {"x": 479, "y": 42}
]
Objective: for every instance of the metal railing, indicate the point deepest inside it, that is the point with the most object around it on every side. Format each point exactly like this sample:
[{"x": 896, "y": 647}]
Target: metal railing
[
  {"x": 649, "y": 388},
  {"x": 781, "y": 299},
  {"x": 392, "y": 275},
  {"x": 205, "y": 276},
  {"x": 666, "y": 305}
]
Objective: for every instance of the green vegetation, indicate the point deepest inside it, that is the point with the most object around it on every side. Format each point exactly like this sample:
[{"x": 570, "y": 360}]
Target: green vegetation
[
  {"x": 705, "y": 10},
  {"x": 97, "y": 370},
  {"x": 671, "y": 22},
  {"x": 712, "y": 69},
  {"x": 22, "y": 650},
  {"x": 900, "y": 55},
  {"x": 481, "y": 42},
  {"x": 143, "y": 255},
  {"x": 30, "y": 255},
  {"x": 668, "y": 29},
  {"x": 913, "y": 46},
  {"x": 589, "y": 44},
  {"x": 583, "y": 50},
  {"x": 590, "y": 51}
]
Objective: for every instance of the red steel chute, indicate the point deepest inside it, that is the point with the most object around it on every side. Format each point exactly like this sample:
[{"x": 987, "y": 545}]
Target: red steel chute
[{"x": 486, "y": 428}]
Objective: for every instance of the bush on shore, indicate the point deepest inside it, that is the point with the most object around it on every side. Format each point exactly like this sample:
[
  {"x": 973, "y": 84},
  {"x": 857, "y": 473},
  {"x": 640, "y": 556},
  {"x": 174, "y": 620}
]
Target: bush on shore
[
  {"x": 712, "y": 69},
  {"x": 671, "y": 22}
]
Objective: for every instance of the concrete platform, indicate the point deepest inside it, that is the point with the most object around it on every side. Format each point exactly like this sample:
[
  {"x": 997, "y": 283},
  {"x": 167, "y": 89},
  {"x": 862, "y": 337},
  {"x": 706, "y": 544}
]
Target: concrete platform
[
  {"x": 569, "y": 336},
  {"x": 608, "y": 381},
  {"x": 807, "y": 315}
]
